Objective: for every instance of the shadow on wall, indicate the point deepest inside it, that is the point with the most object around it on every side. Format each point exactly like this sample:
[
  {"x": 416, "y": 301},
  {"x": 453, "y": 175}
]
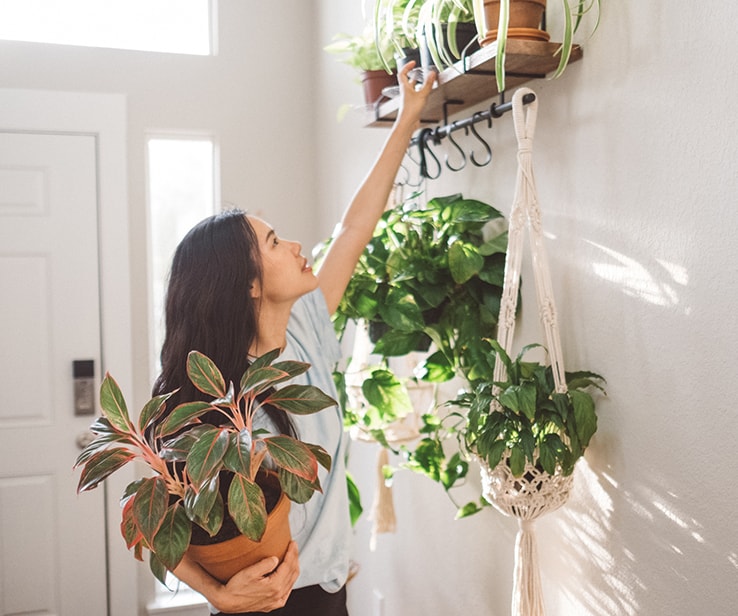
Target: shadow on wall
[{"x": 608, "y": 571}]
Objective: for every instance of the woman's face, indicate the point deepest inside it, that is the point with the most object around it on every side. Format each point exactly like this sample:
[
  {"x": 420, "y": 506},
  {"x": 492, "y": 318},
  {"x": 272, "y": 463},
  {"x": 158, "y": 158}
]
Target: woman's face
[{"x": 286, "y": 273}]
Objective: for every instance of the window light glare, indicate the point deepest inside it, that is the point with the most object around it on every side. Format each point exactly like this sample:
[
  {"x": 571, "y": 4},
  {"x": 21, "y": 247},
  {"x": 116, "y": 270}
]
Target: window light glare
[{"x": 174, "y": 26}]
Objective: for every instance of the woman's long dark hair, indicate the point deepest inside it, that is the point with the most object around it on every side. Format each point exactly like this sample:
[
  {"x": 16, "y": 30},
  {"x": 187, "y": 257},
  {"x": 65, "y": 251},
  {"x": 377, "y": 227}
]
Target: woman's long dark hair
[{"x": 209, "y": 307}]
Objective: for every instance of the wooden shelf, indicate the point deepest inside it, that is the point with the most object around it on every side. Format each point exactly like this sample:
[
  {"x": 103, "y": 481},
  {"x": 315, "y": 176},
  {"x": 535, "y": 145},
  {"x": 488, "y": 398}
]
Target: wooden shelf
[{"x": 473, "y": 81}]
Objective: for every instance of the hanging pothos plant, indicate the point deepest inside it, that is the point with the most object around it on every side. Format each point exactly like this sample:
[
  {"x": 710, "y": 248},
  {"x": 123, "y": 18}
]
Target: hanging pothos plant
[{"x": 432, "y": 273}]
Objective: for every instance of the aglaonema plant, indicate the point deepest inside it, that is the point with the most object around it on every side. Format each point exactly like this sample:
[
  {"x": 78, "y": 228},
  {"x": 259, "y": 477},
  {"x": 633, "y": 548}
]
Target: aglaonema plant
[{"x": 190, "y": 458}]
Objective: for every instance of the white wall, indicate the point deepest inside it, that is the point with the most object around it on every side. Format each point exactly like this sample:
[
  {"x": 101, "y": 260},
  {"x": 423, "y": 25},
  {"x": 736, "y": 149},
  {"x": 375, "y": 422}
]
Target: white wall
[{"x": 635, "y": 157}]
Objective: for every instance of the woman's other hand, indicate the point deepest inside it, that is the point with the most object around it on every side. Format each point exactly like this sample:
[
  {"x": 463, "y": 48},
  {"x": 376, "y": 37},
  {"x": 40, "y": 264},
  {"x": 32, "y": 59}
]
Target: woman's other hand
[{"x": 261, "y": 587}]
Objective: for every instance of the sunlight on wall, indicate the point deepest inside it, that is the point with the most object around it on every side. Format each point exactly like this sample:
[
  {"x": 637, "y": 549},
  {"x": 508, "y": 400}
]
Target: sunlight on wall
[
  {"x": 586, "y": 526},
  {"x": 659, "y": 285},
  {"x": 176, "y": 26}
]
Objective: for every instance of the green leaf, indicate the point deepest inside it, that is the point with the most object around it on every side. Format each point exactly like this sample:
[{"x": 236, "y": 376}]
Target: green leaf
[
  {"x": 355, "y": 508},
  {"x": 292, "y": 455},
  {"x": 527, "y": 399},
  {"x": 205, "y": 375},
  {"x": 102, "y": 464},
  {"x": 584, "y": 414},
  {"x": 173, "y": 537},
  {"x": 547, "y": 458},
  {"x": 436, "y": 368},
  {"x": 517, "y": 461},
  {"x": 469, "y": 509},
  {"x": 496, "y": 245},
  {"x": 464, "y": 261},
  {"x": 396, "y": 343},
  {"x": 400, "y": 311},
  {"x": 150, "y": 506},
  {"x": 494, "y": 453},
  {"x": 183, "y": 415},
  {"x": 247, "y": 507},
  {"x": 384, "y": 391},
  {"x": 152, "y": 410},
  {"x": 114, "y": 405},
  {"x": 300, "y": 399},
  {"x": 158, "y": 569},
  {"x": 206, "y": 455}
]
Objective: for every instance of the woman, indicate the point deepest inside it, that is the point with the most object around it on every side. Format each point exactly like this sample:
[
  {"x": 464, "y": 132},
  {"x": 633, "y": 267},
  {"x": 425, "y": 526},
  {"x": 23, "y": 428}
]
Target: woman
[{"x": 234, "y": 279}]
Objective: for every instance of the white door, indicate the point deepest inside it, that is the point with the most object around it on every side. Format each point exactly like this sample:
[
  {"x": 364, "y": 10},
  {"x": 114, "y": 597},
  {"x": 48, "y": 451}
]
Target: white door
[{"x": 53, "y": 545}]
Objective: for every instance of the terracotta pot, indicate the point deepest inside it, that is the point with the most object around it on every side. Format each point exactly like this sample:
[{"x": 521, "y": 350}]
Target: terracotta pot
[
  {"x": 223, "y": 560},
  {"x": 524, "y": 14},
  {"x": 374, "y": 82}
]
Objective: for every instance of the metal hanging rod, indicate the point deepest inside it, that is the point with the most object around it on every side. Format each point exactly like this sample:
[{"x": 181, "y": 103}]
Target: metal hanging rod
[
  {"x": 496, "y": 110},
  {"x": 435, "y": 135}
]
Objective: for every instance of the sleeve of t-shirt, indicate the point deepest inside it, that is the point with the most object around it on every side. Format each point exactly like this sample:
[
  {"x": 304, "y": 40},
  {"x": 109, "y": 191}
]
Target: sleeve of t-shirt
[{"x": 311, "y": 325}]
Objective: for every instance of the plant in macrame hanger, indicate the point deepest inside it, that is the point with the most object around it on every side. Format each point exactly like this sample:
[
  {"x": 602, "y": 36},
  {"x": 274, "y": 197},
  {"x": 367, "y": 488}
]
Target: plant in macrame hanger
[{"x": 532, "y": 421}]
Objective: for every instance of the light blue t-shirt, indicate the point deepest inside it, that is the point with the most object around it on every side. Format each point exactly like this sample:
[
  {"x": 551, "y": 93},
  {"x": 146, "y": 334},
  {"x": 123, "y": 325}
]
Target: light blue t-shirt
[{"x": 321, "y": 527}]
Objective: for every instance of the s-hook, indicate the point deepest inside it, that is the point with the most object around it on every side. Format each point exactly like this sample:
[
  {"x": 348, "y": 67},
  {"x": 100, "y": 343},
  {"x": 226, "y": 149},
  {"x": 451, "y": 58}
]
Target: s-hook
[
  {"x": 459, "y": 149},
  {"x": 423, "y": 147},
  {"x": 476, "y": 117}
]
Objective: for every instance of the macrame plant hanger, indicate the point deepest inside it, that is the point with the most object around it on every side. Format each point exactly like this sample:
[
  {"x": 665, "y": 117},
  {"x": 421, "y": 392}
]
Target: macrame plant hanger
[{"x": 535, "y": 492}]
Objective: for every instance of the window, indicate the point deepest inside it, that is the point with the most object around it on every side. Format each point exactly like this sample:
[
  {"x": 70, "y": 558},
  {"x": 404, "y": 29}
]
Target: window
[
  {"x": 181, "y": 192},
  {"x": 176, "y": 26}
]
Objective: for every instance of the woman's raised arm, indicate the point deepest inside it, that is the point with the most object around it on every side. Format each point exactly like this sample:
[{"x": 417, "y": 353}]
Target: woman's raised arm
[{"x": 360, "y": 218}]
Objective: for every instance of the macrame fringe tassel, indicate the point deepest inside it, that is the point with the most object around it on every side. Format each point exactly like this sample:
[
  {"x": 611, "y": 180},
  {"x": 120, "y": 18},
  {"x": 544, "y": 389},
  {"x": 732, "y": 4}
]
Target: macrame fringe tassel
[
  {"x": 527, "y": 597},
  {"x": 383, "y": 508}
]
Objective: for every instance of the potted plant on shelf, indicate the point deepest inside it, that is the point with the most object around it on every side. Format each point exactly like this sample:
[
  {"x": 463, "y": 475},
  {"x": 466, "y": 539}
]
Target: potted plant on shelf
[
  {"x": 499, "y": 20},
  {"x": 396, "y": 21},
  {"x": 446, "y": 31},
  {"x": 371, "y": 57},
  {"x": 225, "y": 484}
]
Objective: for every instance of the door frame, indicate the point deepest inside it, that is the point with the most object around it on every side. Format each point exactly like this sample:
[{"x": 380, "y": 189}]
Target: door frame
[{"x": 104, "y": 117}]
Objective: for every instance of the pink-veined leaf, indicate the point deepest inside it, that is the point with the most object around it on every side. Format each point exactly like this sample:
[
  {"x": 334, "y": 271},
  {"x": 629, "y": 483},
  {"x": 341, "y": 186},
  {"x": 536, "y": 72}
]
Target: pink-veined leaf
[
  {"x": 150, "y": 506},
  {"x": 247, "y": 507},
  {"x": 238, "y": 456},
  {"x": 300, "y": 399},
  {"x": 173, "y": 537},
  {"x": 206, "y": 455},
  {"x": 293, "y": 456},
  {"x": 114, "y": 405},
  {"x": 181, "y": 416},
  {"x": 296, "y": 488},
  {"x": 102, "y": 464},
  {"x": 101, "y": 442},
  {"x": 152, "y": 410},
  {"x": 205, "y": 375}
]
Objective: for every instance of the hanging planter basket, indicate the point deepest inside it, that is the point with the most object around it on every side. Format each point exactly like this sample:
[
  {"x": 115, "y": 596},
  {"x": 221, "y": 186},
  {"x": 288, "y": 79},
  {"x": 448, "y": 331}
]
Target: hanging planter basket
[
  {"x": 534, "y": 492},
  {"x": 526, "y": 497}
]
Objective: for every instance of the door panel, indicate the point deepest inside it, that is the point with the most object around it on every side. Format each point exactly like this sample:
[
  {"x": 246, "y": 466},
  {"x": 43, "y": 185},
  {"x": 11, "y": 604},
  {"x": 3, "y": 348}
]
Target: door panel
[{"x": 53, "y": 542}]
